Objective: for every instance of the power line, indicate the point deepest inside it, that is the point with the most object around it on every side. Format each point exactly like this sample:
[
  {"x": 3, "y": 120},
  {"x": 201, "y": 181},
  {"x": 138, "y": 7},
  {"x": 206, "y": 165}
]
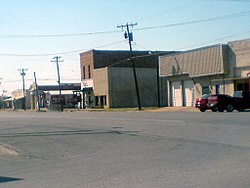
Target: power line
[
  {"x": 239, "y": 14},
  {"x": 59, "y": 35},
  {"x": 61, "y": 53},
  {"x": 217, "y": 18}
]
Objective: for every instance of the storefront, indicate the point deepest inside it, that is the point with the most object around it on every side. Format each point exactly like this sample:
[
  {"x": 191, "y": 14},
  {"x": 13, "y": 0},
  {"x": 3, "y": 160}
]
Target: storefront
[{"x": 213, "y": 69}]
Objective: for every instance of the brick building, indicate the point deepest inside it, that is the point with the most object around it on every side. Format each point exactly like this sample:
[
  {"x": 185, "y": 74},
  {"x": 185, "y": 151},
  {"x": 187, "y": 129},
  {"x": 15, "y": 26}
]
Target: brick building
[{"x": 107, "y": 78}]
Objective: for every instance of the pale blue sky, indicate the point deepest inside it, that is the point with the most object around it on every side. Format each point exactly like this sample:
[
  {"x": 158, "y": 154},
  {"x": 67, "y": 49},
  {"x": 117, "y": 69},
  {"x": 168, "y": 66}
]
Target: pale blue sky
[{"x": 22, "y": 21}]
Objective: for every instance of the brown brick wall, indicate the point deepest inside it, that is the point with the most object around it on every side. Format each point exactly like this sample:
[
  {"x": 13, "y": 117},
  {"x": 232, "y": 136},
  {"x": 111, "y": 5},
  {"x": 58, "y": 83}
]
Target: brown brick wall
[{"x": 86, "y": 59}]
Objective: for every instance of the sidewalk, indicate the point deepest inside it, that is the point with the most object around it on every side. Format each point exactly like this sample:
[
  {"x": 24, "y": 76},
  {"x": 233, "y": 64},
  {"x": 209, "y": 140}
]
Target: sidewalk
[
  {"x": 174, "y": 109},
  {"x": 147, "y": 109}
]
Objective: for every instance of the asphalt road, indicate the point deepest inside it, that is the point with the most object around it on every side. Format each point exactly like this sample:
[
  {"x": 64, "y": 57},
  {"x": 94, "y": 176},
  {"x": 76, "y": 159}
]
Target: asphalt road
[{"x": 125, "y": 150}]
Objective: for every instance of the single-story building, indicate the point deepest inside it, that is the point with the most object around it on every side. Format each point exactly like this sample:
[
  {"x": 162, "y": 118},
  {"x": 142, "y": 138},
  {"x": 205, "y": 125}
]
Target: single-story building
[
  {"x": 19, "y": 100},
  {"x": 48, "y": 95},
  {"x": 219, "y": 68}
]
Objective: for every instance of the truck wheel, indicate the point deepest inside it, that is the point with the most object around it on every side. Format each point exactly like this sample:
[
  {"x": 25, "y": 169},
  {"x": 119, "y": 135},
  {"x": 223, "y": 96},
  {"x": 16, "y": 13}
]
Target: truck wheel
[
  {"x": 230, "y": 108},
  {"x": 214, "y": 109},
  {"x": 203, "y": 109},
  {"x": 221, "y": 109}
]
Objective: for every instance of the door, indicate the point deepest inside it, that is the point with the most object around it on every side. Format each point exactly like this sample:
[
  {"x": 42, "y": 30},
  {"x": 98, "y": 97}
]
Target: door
[
  {"x": 176, "y": 95},
  {"x": 188, "y": 93}
]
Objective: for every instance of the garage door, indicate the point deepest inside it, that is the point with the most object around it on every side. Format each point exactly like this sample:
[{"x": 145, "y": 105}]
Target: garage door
[
  {"x": 188, "y": 88},
  {"x": 176, "y": 95}
]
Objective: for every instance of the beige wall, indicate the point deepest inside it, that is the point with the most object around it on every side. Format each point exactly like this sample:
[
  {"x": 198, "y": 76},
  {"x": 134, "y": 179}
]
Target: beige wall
[
  {"x": 101, "y": 82},
  {"x": 240, "y": 57},
  {"x": 118, "y": 85},
  {"x": 101, "y": 87},
  {"x": 199, "y": 62}
]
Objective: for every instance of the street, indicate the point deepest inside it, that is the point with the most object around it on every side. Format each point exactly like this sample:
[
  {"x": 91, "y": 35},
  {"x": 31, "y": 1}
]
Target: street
[{"x": 124, "y": 149}]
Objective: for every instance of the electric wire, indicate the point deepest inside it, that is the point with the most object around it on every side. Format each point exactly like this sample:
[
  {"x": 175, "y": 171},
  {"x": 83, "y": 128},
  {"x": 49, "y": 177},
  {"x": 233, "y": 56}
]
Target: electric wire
[
  {"x": 104, "y": 32},
  {"x": 217, "y": 18},
  {"x": 239, "y": 14},
  {"x": 59, "y": 53}
]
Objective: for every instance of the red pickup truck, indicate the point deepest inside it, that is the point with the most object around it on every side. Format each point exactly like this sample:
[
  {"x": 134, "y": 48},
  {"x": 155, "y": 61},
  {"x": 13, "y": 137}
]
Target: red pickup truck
[
  {"x": 221, "y": 102},
  {"x": 242, "y": 100}
]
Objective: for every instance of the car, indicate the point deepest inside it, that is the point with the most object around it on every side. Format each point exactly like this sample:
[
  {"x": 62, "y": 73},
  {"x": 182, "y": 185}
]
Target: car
[
  {"x": 201, "y": 103},
  {"x": 221, "y": 102}
]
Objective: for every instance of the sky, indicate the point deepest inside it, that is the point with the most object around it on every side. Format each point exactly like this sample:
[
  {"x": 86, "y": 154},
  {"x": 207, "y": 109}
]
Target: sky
[{"x": 32, "y": 32}]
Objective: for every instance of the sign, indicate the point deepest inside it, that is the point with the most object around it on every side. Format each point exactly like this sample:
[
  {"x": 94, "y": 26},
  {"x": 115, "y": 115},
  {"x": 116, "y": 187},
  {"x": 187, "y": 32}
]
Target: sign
[
  {"x": 55, "y": 99},
  {"x": 87, "y": 83}
]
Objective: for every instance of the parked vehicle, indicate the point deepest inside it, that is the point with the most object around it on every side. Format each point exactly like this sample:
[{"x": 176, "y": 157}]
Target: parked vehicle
[
  {"x": 221, "y": 102},
  {"x": 242, "y": 100},
  {"x": 201, "y": 103}
]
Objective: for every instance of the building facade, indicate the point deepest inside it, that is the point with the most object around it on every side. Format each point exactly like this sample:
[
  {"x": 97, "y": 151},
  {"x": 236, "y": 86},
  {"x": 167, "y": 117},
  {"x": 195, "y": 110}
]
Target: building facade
[
  {"x": 107, "y": 78},
  {"x": 20, "y": 99},
  {"x": 214, "y": 69}
]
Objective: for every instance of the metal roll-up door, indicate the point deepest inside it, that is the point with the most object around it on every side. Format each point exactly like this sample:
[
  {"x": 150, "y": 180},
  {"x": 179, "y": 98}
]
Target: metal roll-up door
[
  {"x": 176, "y": 95},
  {"x": 188, "y": 92}
]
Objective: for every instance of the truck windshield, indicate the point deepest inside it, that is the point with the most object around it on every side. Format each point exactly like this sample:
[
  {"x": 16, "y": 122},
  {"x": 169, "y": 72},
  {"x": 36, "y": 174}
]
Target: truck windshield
[{"x": 237, "y": 94}]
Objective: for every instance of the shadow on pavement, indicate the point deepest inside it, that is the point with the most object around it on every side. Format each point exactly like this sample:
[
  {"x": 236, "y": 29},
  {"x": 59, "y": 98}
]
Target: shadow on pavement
[{"x": 8, "y": 179}]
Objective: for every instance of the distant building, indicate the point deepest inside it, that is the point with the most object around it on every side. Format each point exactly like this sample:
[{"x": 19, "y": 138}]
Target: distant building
[
  {"x": 219, "y": 68},
  {"x": 49, "y": 95},
  {"x": 19, "y": 99},
  {"x": 107, "y": 79}
]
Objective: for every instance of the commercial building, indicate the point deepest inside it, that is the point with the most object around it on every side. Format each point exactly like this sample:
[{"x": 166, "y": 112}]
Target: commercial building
[
  {"x": 49, "y": 97},
  {"x": 19, "y": 100},
  {"x": 221, "y": 68},
  {"x": 107, "y": 79}
]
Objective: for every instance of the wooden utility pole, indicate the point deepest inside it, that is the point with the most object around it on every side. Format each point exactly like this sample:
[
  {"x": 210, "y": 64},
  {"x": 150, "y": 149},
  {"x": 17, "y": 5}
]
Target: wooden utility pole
[
  {"x": 37, "y": 92},
  {"x": 129, "y": 35},
  {"x": 57, "y": 60},
  {"x": 22, "y": 73}
]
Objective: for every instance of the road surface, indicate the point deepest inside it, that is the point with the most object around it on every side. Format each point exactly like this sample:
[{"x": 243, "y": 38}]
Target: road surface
[{"x": 124, "y": 149}]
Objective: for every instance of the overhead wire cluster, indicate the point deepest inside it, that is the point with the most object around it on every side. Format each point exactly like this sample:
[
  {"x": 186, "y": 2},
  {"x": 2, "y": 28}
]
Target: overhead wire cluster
[{"x": 217, "y": 18}]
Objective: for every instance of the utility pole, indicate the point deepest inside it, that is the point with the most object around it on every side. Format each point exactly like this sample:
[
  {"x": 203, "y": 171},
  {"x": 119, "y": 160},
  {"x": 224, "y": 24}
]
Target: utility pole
[
  {"x": 58, "y": 59},
  {"x": 37, "y": 94},
  {"x": 129, "y": 35},
  {"x": 3, "y": 98},
  {"x": 22, "y": 73}
]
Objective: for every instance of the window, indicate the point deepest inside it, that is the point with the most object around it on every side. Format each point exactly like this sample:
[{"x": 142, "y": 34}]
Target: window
[
  {"x": 217, "y": 89},
  {"x": 89, "y": 72},
  {"x": 84, "y": 73}
]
